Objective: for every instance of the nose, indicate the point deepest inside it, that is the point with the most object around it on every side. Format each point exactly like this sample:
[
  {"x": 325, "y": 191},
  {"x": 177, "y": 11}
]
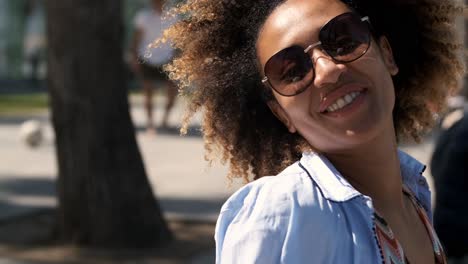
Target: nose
[{"x": 327, "y": 70}]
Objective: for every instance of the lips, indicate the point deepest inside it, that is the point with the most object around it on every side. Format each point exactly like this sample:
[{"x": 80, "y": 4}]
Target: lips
[{"x": 339, "y": 93}]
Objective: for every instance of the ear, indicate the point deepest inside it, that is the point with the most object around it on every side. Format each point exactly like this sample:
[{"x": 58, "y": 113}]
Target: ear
[
  {"x": 387, "y": 55},
  {"x": 279, "y": 112}
]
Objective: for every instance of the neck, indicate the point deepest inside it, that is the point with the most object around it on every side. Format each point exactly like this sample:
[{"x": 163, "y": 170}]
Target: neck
[{"x": 374, "y": 170}]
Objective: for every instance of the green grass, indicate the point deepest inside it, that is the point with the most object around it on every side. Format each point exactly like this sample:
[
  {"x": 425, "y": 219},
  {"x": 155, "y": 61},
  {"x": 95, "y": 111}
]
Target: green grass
[
  {"x": 23, "y": 103},
  {"x": 12, "y": 104}
]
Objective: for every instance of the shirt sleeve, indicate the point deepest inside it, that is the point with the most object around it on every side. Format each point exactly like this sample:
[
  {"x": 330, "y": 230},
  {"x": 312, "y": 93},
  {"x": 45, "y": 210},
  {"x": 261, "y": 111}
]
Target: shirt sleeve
[
  {"x": 276, "y": 222},
  {"x": 424, "y": 195},
  {"x": 250, "y": 231},
  {"x": 242, "y": 242},
  {"x": 251, "y": 227}
]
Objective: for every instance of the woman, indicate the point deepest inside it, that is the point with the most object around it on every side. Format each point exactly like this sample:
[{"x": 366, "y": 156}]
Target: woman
[{"x": 318, "y": 93}]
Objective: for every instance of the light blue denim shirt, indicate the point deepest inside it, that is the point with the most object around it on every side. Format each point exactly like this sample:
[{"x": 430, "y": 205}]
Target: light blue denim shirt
[{"x": 309, "y": 213}]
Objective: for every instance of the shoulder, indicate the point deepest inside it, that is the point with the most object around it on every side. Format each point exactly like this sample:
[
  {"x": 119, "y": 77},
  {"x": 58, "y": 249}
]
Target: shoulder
[
  {"x": 275, "y": 187},
  {"x": 265, "y": 213},
  {"x": 270, "y": 197},
  {"x": 273, "y": 194},
  {"x": 412, "y": 174}
]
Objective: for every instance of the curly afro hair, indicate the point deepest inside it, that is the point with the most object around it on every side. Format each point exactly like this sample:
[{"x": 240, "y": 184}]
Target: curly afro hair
[{"x": 217, "y": 71}]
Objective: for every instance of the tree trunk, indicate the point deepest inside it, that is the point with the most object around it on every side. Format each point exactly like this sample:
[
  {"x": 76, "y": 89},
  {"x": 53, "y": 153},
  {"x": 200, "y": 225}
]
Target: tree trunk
[{"x": 105, "y": 199}]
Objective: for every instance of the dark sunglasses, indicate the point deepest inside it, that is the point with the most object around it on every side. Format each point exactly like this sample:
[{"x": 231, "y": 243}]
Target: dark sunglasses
[{"x": 345, "y": 38}]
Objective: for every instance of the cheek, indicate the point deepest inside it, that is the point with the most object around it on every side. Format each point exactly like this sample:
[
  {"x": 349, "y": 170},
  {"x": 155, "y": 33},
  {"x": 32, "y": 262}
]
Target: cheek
[
  {"x": 307, "y": 122},
  {"x": 382, "y": 91},
  {"x": 298, "y": 107},
  {"x": 375, "y": 70}
]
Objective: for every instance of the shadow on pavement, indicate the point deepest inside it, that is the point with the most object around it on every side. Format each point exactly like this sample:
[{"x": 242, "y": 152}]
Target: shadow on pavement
[
  {"x": 15, "y": 211},
  {"x": 38, "y": 229},
  {"x": 42, "y": 187},
  {"x": 19, "y": 119},
  {"x": 29, "y": 230},
  {"x": 191, "y": 206},
  {"x": 37, "y": 186},
  {"x": 32, "y": 238}
]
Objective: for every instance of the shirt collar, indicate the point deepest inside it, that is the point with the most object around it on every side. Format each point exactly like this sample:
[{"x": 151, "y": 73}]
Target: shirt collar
[{"x": 336, "y": 188}]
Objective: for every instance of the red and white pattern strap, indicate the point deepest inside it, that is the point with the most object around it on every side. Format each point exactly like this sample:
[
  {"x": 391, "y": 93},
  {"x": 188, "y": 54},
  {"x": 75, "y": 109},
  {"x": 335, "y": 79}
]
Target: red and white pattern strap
[{"x": 391, "y": 250}]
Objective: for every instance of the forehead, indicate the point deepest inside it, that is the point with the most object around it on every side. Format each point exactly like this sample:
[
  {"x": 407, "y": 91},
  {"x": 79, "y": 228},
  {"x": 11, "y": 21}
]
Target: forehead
[{"x": 295, "y": 22}]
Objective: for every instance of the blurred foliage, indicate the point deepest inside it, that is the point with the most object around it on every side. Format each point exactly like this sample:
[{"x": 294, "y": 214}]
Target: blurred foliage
[
  {"x": 23, "y": 103},
  {"x": 12, "y": 20}
]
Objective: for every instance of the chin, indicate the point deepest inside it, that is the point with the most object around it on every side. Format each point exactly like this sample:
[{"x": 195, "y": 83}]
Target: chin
[{"x": 344, "y": 141}]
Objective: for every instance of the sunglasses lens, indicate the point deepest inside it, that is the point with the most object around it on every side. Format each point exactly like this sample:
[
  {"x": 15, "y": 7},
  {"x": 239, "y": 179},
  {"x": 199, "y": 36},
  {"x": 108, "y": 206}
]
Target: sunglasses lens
[
  {"x": 290, "y": 71},
  {"x": 346, "y": 37}
]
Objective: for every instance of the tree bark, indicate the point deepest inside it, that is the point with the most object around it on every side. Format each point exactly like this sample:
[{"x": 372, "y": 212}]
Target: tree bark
[{"x": 105, "y": 199}]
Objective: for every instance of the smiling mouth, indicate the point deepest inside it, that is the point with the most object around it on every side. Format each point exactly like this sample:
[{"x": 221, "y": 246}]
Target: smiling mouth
[{"x": 342, "y": 102}]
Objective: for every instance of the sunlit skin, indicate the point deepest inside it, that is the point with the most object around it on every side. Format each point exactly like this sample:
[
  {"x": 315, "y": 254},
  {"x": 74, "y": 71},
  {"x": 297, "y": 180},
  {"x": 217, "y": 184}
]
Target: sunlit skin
[{"x": 360, "y": 142}]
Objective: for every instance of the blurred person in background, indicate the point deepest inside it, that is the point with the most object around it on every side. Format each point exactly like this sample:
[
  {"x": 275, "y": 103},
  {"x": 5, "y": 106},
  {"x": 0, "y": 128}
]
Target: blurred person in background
[
  {"x": 147, "y": 62},
  {"x": 34, "y": 41},
  {"x": 449, "y": 167}
]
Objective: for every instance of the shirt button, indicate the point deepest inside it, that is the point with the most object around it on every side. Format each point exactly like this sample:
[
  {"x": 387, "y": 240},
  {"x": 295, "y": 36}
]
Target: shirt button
[{"x": 422, "y": 182}]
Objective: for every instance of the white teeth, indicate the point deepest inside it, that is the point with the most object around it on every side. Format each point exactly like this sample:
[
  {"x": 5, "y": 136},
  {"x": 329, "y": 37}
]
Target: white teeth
[
  {"x": 343, "y": 101},
  {"x": 348, "y": 98}
]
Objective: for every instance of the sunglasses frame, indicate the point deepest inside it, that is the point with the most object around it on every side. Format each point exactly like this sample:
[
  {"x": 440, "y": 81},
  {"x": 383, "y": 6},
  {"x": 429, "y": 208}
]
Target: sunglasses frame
[{"x": 266, "y": 81}]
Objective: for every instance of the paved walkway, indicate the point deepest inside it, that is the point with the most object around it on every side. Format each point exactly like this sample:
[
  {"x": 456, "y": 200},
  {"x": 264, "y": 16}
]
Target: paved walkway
[
  {"x": 182, "y": 180},
  {"x": 180, "y": 176}
]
